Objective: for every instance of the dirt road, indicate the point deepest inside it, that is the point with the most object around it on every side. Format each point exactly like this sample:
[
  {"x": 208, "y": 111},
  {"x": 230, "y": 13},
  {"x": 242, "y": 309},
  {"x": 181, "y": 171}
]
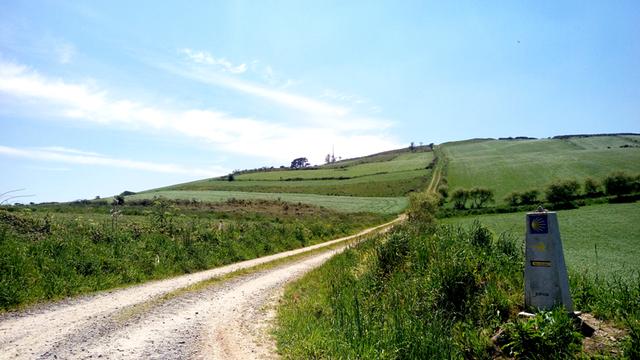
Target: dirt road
[{"x": 223, "y": 321}]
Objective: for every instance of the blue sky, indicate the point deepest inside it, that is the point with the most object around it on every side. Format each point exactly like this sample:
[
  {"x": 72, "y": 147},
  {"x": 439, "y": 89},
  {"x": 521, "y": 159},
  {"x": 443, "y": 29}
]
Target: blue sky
[{"x": 101, "y": 97}]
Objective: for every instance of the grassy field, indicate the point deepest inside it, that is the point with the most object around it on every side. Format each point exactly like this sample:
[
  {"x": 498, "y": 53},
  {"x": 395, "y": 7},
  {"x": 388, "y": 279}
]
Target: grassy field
[
  {"x": 55, "y": 251},
  {"x": 381, "y": 205},
  {"x": 391, "y": 174},
  {"x": 518, "y": 165},
  {"x": 380, "y": 185},
  {"x": 400, "y": 163},
  {"x": 613, "y": 230}
]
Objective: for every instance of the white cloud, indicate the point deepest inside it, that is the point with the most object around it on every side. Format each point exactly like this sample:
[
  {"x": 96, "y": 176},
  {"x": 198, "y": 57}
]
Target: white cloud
[
  {"x": 293, "y": 101},
  {"x": 66, "y": 150},
  {"x": 203, "y": 57},
  {"x": 85, "y": 158},
  {"x": 313, "y": 137}
]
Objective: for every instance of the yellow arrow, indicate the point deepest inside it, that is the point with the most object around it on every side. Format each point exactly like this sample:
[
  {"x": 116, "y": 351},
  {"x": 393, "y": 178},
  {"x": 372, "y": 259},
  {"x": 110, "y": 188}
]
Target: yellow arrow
[{"x": 540, "y": 247}]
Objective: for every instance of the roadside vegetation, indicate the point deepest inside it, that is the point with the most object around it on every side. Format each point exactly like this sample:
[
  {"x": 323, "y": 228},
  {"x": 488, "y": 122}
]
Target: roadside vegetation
[
  {"x": 427, "y": 290},
  {"x": 59, "y": 250}
]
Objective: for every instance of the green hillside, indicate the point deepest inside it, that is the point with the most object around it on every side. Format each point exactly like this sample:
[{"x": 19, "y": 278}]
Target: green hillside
[
  {"x": 377, "y": 183},
  {"x": 518, "y": 165}
]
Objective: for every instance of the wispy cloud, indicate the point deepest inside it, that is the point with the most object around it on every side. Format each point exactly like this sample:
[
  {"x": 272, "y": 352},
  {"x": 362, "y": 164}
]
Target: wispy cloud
[
  {"x": 203, "y": 57},
  {"x": 84, "y": 158},
  {"x": 66, "y": 150},
  {"x": 287, "y": 99},
  {"x": 351, "y": 134},
  {"x": 64, "y": 50}
]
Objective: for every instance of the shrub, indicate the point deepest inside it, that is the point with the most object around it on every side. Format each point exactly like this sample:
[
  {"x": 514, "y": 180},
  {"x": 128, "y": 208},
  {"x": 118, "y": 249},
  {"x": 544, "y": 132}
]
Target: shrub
[
  {"x": 512, "y": 199},
  {"x": 422, "y": 209},
  {"x": 529, "y": 197},
  {"x": 443, "y": 190},
  {"x": 459, "y": 198},
  {"x": 480, "y": 196},
  {"x": 619, "y": 184},
  {"x": 551, "y": 333},
  {"x": 118, "y": 200},
  {"x": 562, "y": 191},
  {"x": 591, "y": 187}
]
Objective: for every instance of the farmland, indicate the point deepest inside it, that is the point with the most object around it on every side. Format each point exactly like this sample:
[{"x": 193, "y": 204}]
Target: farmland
[
  {"x": 391, "y": 175},
  {"x": 600, "y": 239},
  {"x": 505, "y": 166},
  {"x": 377, "y": 183},
  {"x": 382, "y": 205}
]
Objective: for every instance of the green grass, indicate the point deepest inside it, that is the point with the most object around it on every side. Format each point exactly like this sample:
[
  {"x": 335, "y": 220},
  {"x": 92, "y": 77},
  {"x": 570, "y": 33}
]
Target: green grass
[
  {"x": 519, "y": 165},
  {"x": 381, "y": 205},
  {"x": 612, "y": 229},
  {"x": 400, "y": 163},
  {"x": 51, "y": 252},
  {"x": 380, "y": 185},
  {"x": 443, "y": 292},
  {"x": 392, "y": 174}
]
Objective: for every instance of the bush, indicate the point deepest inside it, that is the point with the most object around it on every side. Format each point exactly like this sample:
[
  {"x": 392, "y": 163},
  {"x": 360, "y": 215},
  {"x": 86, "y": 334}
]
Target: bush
[
  {"x": 512, "y": 199},
  {"x": 459, "y": 198},
  {"x": 551, "y": 333},
  {"x": 591, "y": 188},
  {"x": 529, "y": 197},
  {"x": 619, "y": 183},
  {"x": 480, "y": 196},
  {"x": 422, "y": 209},
  {"x": 562, "y": 191}
]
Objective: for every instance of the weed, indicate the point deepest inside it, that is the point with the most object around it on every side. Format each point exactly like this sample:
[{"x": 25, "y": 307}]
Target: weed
[{"x": 547, "y": 334}]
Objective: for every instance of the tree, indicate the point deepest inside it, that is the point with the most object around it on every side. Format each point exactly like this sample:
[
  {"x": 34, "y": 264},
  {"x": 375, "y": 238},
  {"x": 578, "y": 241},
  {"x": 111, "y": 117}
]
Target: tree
[
  {"x": 327, "y": 159},
  {"x": 412, "y": 147},
  {"x": 118, "y": 200},
  {"x": 562, "y": 191},
  {"x": 299, "y": 163},
  {"x": 480, "y": 196},
  {"x": 459, "y": 198},
  {"x": 619, "y": 184},
  {"x": 529, "y": 197},
  {"x": 231, "y": 177}
]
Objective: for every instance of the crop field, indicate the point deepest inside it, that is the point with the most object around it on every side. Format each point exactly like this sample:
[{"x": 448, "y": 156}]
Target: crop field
[
  {"x": 600, "y": 239},
  {"x": 400, "y": 163},
  {"x": 519, "y": 165},
  {"x": 393, "y": 174},
  {"x": 381, "y": 205}
]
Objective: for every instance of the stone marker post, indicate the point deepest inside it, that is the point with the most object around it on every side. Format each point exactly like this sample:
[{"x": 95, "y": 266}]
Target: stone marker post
[{"x": 546, "y": 283}]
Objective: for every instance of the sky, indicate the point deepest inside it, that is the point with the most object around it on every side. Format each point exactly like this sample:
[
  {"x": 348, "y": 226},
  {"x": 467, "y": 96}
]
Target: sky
[{"x": 101, "y": 97}]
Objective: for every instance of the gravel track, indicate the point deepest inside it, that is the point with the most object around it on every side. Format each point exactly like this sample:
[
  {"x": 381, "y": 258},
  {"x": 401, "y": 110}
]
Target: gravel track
[{"x": 227, "y": 320}]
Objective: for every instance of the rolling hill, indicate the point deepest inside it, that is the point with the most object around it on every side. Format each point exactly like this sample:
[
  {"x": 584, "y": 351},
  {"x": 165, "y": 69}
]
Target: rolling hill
[
  {"x": 519, "y": 165},
  {"x": 377, "y": 183}
]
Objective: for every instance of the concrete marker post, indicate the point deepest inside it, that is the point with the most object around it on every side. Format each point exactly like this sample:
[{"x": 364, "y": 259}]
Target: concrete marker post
[{"x": 545, "y": 273}]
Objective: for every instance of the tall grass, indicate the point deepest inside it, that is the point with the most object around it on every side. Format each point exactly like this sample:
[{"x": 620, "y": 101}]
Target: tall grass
[
  {"x": 437, "y": 292},
  {"x": 50, "y": 257}
]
